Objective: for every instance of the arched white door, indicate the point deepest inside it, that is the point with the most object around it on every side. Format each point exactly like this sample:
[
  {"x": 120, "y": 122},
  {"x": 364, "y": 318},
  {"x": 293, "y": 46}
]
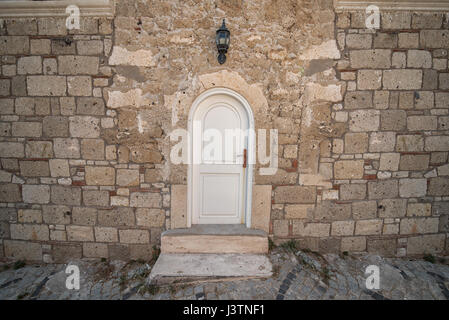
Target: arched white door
[{"x": 219, "y": 152}]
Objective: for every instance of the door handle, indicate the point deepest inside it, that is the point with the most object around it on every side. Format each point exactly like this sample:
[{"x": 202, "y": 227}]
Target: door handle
[{"x": 244, "y": 158}]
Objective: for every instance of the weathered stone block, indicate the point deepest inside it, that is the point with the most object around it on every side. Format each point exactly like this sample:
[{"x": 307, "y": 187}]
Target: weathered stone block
[
  {"x": 364, "y": 120},
  {"x": 409, "y": 143},
  {"x": 414, "y": 162},
  {"x": 29, "y": 216},
  {"x": 382, "y": 141},
  {"x": 437, "y": 143},
  {"x": 369, "y": 79},
  {"x": 389, "y": 161},
  {"x": 295, "y": 194},
  {"x": 150, "y": 217},
  {"x": 53, "y": 214},
  {"x": 36, "y": 193},
  {"x": 364, "y": 210},
  {"x": 46, "y": 85},
  {"x": 10, "y": 193},
  {"x": 92, "y": 149},
  {"x": 72, "y": 65},
  {"x": 434, "y": 39},
  {"x": 384, "y": 247},
  {"x": 134, "y": 236},
  {"x": 35, "y": 232},
  {"x": 383, "y": 189},
  {"x": 394, "y": 120},
  {"x": 84, "y": 216},
  {"x": 26, "y": 129},
  {"x": 303, "y": 229},
  {"x": 55, "y": 126},
  {"x": 370, "y": 59},
  {"x": 419, "y": 59},
  {"x": 63, "y": 253},
  {"x": 409, "y": 188},
  {"x": 84, "y": 127},
  {"x": 355, "y": 191},
  {"x": 14, "y": 45},
  {"x": 358, "y": 100},
  {"x": 34, "y": 168},
  {"x": 116, "y": 217},
  {"x": 178, "y": 210},
  {"x": 90, "y": 106},
  {"x": 66, "y": 195},
  {"x": 23, "y": 250},
  {"x": 104, "y": 176},
  {"x": 439, "y": 186},
  {"x": 95, "y": 250},
  {"x": 29, "y": 65},
  {"x": 105, "y": 234},
  {"x": 349, "y": 169},
  {"x": 79, "y": 86},
  {"x": 96, "y": 198},
  {"x": 342, "y": 228},
  {"x": 39, "y": 149},
  {"x": 353, "y": 244},
  {"x": 420, "y": 123},
  {"x": 419, "y": 209},
  {"x": 419, "y": 225},
  {"x": 425, "y": 244},
  {"x": 127, "y": 177},
  {"x": 328, "y": 210},
  {"x": 368, "y": 227},
  {"x": 299, "y": 211},
  {"x": 392, "y": 208},
  {"x": 402, "y": 79},
  {"x": 145, "y": 200},
  {"x": 80, "y": 233},
  {"x": 59, "y": 168},
  {"x": 66, "y": 148}
]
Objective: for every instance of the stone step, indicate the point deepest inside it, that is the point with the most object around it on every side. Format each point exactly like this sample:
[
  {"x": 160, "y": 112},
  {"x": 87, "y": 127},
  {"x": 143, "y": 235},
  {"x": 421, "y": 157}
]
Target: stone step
[
  {"x": 171, "y": 267},
  {"x": 214, "y": 239}
]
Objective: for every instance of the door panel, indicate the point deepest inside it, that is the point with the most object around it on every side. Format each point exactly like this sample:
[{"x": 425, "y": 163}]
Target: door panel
[{"x": 219, "y": 177}]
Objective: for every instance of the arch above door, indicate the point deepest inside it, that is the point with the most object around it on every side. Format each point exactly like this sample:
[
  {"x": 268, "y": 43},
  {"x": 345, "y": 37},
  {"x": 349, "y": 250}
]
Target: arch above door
[{"x": 205, "y": 99}]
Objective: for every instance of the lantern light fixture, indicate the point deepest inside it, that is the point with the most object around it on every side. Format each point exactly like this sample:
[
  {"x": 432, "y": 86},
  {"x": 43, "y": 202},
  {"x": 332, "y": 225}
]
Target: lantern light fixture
[{"x": 222, "y": 39}]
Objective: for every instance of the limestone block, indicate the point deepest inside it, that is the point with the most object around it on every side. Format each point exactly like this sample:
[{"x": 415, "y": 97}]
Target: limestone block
[
  {"x": 150, "y": 217},
  {"x": 145, "y": 200},
  {"x": 409, "y": 188},
  {"x": 392, "y": 208},
  {"x": 54, "y": 214},
  {"x": 349, "y": 169},
  {"x": 134, "y": 236},
  {"x": 66, "y": 195},
  {"x": 104, "y": 176},
  {"x": 36, "y": 193},
  {"x": 66, "y": 148},
  {"x": 106, "y": 234},
  {"x": 295, "y": 194},
  {"x": 178, "y": 210},
  {"x": 46, "y": 85}
]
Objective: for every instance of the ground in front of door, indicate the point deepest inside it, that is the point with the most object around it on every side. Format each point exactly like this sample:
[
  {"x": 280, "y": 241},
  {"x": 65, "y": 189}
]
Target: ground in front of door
[{"x": 297, "y": 275}]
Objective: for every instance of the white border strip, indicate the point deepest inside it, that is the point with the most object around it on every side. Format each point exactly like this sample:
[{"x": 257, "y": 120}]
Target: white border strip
[
  {"x": 35, "y": 9},
  {"x": 342, "y": 5}
]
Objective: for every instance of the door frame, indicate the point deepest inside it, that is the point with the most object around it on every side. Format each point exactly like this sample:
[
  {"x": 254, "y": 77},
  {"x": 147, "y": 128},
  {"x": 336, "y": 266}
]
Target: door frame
[{"x": 251, "y": 151}]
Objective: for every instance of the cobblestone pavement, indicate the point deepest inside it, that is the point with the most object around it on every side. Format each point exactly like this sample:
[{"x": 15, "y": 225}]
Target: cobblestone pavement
[{"x": 300, "y": 275}]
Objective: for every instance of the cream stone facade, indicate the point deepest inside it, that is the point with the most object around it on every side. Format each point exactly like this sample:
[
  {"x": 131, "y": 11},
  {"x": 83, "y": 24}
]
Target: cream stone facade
[{"x": 361, "y": 115}]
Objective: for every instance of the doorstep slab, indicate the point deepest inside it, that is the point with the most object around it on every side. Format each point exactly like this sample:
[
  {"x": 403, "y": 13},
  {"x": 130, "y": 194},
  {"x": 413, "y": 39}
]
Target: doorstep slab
[
  {"x": 220, "y": 239},
  {"x": 198, "y": 266}
]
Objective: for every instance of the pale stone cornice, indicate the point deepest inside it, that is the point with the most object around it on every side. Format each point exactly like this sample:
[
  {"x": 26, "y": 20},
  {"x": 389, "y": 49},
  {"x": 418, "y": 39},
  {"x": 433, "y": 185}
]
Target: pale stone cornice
[
  {"x": 410, "y": 5},
  {"x": 91, "y": 8}
]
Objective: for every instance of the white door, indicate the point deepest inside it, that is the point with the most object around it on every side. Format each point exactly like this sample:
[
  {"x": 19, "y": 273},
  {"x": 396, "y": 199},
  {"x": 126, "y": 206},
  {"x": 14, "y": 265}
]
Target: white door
[{"x": 219, "y": 151}]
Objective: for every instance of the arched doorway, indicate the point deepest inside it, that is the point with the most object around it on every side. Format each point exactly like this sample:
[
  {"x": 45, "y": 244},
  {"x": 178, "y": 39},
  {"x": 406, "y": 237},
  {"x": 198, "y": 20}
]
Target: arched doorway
[{"x": 221, "y": 149}]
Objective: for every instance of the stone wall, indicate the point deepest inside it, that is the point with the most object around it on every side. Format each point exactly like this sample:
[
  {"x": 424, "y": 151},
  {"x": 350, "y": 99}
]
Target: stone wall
[{"x": 85, "y": 118}]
